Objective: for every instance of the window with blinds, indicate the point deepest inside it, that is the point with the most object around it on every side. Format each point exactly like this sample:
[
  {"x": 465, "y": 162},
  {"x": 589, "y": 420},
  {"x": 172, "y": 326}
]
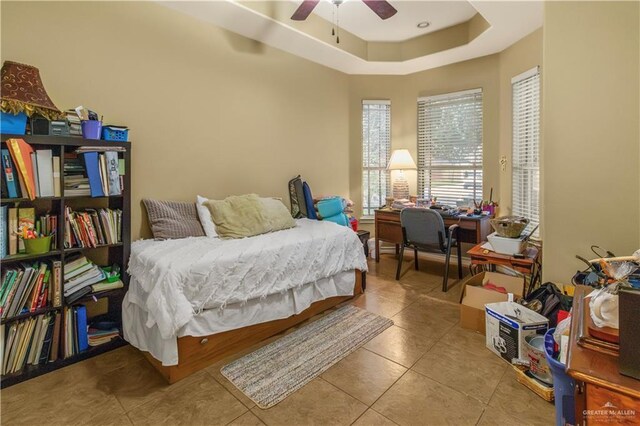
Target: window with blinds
[
  {"x": 450, "y": 147},
  {"x": 526, "y": 146},
  {"x": 376, "y": 150}
]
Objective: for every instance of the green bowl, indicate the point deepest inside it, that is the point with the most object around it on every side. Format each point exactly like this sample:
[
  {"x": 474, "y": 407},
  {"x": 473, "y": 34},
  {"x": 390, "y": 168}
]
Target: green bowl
[{"x": 38, "y": 245}]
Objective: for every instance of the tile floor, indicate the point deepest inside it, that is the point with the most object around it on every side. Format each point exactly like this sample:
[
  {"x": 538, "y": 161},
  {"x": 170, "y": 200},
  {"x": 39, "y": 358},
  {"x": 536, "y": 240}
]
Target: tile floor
[{"x": 423, "y": 370}]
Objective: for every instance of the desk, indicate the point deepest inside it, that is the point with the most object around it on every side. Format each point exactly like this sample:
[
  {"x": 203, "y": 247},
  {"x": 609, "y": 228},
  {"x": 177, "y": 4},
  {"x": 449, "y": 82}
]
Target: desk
[
  {"x": 599, "y": 385},
  {"x": 530, "y": 265},
  {"x": 387, "y": 224}
]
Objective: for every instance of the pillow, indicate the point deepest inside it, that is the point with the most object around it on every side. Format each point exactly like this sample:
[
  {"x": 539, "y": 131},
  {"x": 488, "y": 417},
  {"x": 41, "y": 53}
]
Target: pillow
[
  {"x": 173, "y": 219},
  {"x": 242, "y": 216},
  {"x": 276, "y": 215},
  {"x": 205, "y": 218}
]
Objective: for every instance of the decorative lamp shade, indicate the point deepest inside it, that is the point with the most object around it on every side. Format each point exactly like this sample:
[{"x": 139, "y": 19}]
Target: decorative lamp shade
[
  {"x": 23, "y": 91},
  {"x": 401, "y": 160}
]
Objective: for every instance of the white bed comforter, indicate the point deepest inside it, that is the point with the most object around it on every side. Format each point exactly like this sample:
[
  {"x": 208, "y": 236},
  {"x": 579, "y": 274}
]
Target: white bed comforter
[{"x": 177, "y": 279}]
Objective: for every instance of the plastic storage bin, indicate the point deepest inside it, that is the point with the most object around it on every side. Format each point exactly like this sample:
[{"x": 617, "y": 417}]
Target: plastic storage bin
[
  {"x": 563, "y": 385},
  {"x": 115, "y": 134},
  {"x": 13, "y": 124},
  {"x": 91, "y": 129}
]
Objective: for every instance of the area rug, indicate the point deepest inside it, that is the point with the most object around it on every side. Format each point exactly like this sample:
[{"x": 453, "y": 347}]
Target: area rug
[{"x": 273, "y": 372}]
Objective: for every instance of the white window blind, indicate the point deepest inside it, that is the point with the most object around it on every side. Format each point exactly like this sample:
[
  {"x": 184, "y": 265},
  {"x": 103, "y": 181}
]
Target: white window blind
[
  {"x": 376, "y": 150},
  {"x": 450, "y": 147},
  {"x": 526, "y": 146}
]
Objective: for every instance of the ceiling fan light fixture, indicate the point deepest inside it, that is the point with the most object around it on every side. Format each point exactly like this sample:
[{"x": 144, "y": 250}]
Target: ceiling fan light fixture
[{"x": 423, "y": 24}]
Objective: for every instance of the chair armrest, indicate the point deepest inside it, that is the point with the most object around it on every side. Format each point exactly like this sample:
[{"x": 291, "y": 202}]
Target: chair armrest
[{"x": 453, "y": 229}]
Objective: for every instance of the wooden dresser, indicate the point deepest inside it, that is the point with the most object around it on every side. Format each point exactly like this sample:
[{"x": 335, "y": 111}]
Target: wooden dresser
[{"x": 603, "y": 395}]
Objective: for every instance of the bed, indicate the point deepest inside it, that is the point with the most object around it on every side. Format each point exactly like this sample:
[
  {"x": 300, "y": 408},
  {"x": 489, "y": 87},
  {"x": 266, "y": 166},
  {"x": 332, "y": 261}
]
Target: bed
[{"x": 193, "y": 301}]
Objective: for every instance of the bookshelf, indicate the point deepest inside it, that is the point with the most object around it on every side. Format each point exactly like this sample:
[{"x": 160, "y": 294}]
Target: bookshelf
[{"x": 103, "y": 255}]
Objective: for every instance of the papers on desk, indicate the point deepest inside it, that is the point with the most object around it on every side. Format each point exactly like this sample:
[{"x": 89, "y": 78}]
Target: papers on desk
[{"x": 487, "y": 246}]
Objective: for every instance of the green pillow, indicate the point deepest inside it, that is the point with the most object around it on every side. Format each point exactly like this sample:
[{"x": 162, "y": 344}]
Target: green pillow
[{"x": 242, "y": 216}]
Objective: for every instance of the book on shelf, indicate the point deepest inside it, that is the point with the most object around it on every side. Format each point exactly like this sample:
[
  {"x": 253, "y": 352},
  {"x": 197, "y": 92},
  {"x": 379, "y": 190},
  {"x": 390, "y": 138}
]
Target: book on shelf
[
  {"x": 106, "y": 286},
  {"x": 92, "y": 228},
  {"x": 4, "y": 231},
  {"x": 103, "y": 173},
  {"x": 30, "y": 173},
  {"x": 27, "y": 288},
  {"x": 12, "y": 229}
]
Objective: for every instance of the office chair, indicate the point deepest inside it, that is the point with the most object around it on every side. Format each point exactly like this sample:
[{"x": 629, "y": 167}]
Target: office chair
[{"x": 423, "y": 230}]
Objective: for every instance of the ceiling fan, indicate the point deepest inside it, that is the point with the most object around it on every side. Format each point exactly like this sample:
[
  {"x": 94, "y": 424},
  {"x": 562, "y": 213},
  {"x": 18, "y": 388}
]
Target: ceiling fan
[{"x": 380, "y": 7}]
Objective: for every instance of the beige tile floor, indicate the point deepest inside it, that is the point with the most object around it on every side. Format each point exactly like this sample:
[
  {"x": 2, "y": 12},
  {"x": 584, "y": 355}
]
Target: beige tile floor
[{"x": 423, "y": 370}]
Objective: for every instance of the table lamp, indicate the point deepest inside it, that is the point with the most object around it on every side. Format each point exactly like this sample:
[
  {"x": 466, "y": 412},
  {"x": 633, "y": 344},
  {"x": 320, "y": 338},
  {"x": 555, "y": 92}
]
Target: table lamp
[
  {"x": 24, "y": 93},
  {"x": 401, "y": 160}
]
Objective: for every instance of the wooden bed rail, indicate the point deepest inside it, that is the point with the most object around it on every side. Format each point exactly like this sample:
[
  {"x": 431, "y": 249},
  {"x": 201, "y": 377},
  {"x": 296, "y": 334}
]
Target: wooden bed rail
[{"x": 196, "y": 353}]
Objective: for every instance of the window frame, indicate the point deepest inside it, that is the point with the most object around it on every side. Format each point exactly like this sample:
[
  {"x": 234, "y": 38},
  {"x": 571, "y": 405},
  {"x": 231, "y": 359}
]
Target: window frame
[
  {"x": 525, "y": 146},
  {"x": 381, "y": 169},
  {"x": 426, "y": 152}
]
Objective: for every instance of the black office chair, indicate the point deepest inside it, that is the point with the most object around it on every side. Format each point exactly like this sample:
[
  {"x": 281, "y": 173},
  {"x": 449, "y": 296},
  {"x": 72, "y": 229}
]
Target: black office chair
[{"x": 423, "y": 230}]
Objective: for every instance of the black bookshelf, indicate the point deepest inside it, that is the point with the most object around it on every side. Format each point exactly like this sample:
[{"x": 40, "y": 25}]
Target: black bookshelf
[{"x": 114, "y": 253}]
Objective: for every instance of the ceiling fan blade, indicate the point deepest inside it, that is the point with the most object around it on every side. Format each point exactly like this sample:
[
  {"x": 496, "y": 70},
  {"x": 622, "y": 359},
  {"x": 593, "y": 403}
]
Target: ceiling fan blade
[
  {"x": 381, "y": 8},
  {"x": 304, "y": 10}
]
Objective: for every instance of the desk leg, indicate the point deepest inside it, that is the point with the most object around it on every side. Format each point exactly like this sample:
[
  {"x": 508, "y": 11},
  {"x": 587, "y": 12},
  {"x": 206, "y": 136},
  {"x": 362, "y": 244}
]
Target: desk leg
[
  {"x": 377, "y": 250},
  {"x": 397, "y": 250}
]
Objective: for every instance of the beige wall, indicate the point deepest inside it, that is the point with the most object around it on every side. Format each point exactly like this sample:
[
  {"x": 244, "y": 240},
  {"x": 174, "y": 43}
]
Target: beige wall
[
  {"x": 211, "y": 112},
  {"x": 491, "y": 73},
  {"x": 591, "y": 140}
]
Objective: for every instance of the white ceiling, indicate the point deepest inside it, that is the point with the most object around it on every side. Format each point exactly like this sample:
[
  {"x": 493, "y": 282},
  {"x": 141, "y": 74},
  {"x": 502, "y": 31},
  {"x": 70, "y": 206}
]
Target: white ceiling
[
  {"x": 509, "y": 22},
  {"x": 358, "y": 19}
]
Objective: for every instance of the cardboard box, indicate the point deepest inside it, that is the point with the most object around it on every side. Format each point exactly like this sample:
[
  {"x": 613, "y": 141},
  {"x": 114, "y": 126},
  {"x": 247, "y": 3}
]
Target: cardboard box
[
  {"x": 508, "y": 325},
  {"x": 474, "y": 297}
]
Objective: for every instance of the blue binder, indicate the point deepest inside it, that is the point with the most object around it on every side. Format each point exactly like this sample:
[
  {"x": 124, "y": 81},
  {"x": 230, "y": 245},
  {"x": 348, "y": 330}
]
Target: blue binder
[
  {"x": 83, "y": 337},
  {"x": 91, "y": 165},
  {"x": 10, "y": 174}
]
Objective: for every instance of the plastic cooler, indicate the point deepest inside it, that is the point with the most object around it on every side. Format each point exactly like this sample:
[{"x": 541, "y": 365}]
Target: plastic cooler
[{"x": 563, "y": 385}]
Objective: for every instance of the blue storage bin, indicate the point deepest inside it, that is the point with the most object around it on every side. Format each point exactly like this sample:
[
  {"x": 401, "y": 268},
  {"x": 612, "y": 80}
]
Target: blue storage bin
[
  {"x": 115, "y": 134},
  {"x": 13, "y": 124},
  {"x": 563, "y": 385}
]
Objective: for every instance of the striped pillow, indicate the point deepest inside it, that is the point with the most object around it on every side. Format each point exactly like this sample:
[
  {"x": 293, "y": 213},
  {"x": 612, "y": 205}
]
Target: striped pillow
[{"x": 173, "y": 219}]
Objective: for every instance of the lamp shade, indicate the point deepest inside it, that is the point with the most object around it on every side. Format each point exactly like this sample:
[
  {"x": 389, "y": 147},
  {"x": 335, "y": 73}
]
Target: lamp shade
[
  {"x": 401, "y": 160},
  {"x": 23, "y": 91}
]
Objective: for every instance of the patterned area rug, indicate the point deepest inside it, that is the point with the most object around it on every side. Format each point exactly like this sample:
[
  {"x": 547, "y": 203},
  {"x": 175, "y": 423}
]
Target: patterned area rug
[{"x": 276, "y": 370}]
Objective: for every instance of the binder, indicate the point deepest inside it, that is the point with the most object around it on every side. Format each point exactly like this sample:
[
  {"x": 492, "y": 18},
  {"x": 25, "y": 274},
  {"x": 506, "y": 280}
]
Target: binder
[
  {"x": 10, "y": 176},
  {"x": 34, "y": 164},
  {"x": 83, "y": 338},
  {"x": 44, "y": 161},
  {"x": 56, "y": 175},
  {"x": 113, "y": 172},
  {"x": 47, "y": 341},
  {"x": 92, "y": 168},
  {"x": 21, "y": 154}
]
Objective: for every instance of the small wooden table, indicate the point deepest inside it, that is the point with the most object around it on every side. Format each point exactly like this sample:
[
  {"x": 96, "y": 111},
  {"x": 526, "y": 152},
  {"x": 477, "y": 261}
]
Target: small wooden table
[
  {"x": 530, "y": 265},
  {"x": 387, "y": 224},
  {"x": 603, "y": 396}
]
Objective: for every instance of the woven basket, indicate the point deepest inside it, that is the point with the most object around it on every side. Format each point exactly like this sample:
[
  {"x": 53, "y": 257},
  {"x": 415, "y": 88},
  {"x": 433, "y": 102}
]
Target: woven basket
[{"x": 509, "y": 226}]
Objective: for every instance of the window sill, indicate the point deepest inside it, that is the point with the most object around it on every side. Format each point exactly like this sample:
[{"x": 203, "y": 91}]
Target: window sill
[{"x": 367, "y": 219}]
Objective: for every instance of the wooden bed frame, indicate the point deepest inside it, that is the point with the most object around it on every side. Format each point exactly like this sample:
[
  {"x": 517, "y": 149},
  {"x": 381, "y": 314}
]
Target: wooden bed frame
[{"x": 196, "y": 353}]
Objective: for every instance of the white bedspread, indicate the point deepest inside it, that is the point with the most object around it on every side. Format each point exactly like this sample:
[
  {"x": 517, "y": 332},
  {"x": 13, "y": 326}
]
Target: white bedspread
[{"x": 177, "y": 279}]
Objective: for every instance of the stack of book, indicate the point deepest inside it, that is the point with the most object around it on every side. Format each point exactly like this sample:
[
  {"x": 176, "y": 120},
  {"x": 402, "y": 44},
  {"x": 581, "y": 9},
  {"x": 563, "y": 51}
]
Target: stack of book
[
  {"x": 32, "y": 341},
  {"x": 79, "y": 275},
  {"x": 24, "y": 218},
  {"x": 30, "y": 173},
  {"x": 99, "y": 336},
  {"x": 75, "y": 125},
  {"x": 92, "y": 228},
  {"x": 76, "y": 183},
  {"x": 30, "y": 287}
]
